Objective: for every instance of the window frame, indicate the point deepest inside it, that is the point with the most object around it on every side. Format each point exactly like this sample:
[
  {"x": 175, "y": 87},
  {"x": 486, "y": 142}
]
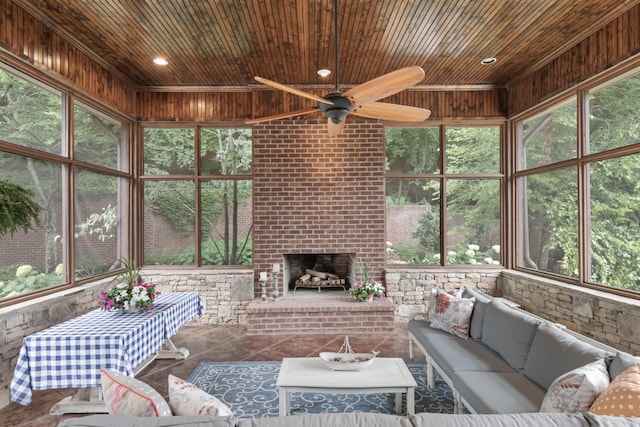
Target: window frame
[
  {"x": 582, "y": 162},
  {"x": 68, "y": 164},
  {"x": 197, "y": 178},
  {"x": 443, "y": 176}
]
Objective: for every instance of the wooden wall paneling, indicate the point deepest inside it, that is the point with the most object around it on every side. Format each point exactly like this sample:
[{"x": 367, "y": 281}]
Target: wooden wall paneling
[
  {"x": 29, "y": 40},
  {"x": 615, "y": 42}
]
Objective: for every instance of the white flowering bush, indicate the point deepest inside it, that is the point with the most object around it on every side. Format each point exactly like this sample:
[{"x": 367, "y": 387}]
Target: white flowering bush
[
  {"x": 28, "y": 279},
  {"x": 473, "y": 255}
]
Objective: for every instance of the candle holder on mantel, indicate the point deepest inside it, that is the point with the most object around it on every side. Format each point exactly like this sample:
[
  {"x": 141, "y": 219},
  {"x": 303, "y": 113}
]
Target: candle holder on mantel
[
  {"x": 263, "y": 286},
  {"x": 276, "y": 269}
]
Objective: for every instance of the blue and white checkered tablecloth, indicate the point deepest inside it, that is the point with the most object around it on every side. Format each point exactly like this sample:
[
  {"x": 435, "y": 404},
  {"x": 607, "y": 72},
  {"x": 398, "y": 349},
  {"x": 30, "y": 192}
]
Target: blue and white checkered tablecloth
[
  {"x": 178, "y": 308},
  {"x": 71, "y": 354}
]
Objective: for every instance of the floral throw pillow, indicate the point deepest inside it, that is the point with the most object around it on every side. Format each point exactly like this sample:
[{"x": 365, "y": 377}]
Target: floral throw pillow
[
  {"x": 622, "y": 397},
  {"x": 576, "y": 390},
  {"x": 437, "y": 295},
  {"x": 451, "y": 313},
  {"x": 130, "y": 397},
  {"x": 187, "y": 399}
]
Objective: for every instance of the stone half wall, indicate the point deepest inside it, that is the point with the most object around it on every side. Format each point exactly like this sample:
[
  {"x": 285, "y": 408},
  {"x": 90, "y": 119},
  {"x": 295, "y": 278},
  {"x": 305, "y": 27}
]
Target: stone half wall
[
  {"x": 607, "y": 318},
  {"x": 225, "y": 293},
  {"x": 611, "y": 319},
  {"x": 410, "y": 289}
]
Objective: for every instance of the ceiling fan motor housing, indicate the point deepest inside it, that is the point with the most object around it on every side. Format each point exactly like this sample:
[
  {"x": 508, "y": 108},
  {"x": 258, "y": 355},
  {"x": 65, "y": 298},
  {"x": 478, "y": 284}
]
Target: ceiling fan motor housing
[{"x": 339, "y": 110}]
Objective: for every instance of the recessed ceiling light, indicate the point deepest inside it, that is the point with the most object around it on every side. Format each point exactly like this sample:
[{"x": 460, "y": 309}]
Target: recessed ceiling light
[
  {"x": 160, "y": 61},
  {"x": 487, "y": 61},
  {"x": 324, "y": 72}
]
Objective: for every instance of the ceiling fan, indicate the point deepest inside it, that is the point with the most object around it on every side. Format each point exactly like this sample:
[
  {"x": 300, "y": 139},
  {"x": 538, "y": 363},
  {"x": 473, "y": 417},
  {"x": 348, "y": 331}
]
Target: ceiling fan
[{"x": 360, "y": 100}]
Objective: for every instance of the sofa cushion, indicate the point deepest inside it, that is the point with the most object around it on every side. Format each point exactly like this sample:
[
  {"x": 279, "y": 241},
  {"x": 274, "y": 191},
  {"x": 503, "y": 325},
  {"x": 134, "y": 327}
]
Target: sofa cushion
[
  {"x": 498, "y": 392},
  {"x": 493, "y": 420},
  {"x": 451, "y": 314},
  {"x": 576, "y": 390},
  {"x": 509, "y": 333},
  {"x": 424, "y": 333},
  {"x": 128, "y": 396},
  {"x": 608, "y": 421},
  {"x": 621, "y": 362},
  {"x": 122, "y": 421},
  {"x": 568, "y": 353},
  {"x": 187, "y": 399},
  {"x": 465, "y": 355},
  {"x": 479, "y": 311},
  {"x": 622, "y": 397},
  {"x": 326, "y": 420}
]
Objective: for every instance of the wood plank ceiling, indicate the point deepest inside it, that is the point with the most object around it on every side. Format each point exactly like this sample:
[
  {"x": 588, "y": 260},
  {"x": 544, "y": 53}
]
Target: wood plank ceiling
[{"x": 228, "y": 42}]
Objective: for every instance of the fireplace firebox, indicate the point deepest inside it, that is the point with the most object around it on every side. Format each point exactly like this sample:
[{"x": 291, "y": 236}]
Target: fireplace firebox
[{"x": 319, "y": 271}]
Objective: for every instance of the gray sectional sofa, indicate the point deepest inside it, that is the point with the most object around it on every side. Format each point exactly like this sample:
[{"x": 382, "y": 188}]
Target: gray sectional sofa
[
  {"x": 362, "y": 420},
  {"x": 500, "y": 374},
  {"x": 510, "y": 358}
]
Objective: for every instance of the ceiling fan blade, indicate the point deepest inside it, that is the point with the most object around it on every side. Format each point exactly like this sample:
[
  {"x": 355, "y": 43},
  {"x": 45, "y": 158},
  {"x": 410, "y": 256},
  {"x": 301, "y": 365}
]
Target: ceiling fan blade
[
  {"x": 281, "y": 116},
  {"x": 385, "y": 85},
  {"x": 335, "y": 129},
  {"x": 393, "y": 112},
  {"x": 293, "y": 90}
]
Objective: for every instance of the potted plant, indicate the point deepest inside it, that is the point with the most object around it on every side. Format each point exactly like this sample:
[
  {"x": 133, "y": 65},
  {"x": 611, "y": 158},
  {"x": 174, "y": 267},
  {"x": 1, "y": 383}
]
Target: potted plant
[
  {"x": 366, "y": 289},
  {"x": 131, "y": 293},
  {"x": 18, "y": 211}
]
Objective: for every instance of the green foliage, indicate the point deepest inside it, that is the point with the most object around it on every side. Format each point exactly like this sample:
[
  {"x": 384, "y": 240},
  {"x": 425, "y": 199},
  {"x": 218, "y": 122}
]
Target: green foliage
[
  {"x": 212, "y": 253},
  {"x": 18, "y": 211},
  {"x": 428, "y": 232},
  {"x": 28, "y": 279},
  {"x": 413, "y": 150}
]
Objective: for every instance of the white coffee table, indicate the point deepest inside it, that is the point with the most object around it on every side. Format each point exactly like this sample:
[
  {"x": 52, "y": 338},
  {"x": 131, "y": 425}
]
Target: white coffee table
[{"x": 309, "y": 374}]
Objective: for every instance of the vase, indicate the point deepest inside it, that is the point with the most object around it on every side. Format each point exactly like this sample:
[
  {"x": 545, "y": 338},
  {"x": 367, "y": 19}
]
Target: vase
[
  {"x": 132, "y": 309},
  {"x": 370, "y": 298}
]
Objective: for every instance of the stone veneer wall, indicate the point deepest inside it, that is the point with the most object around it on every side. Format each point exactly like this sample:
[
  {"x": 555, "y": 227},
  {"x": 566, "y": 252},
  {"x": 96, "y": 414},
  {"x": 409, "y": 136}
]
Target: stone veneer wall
[
  {"x": 227, "y": 293},
  {"x": 410, "y": 289},
  {"x": 611, "y": 319}
]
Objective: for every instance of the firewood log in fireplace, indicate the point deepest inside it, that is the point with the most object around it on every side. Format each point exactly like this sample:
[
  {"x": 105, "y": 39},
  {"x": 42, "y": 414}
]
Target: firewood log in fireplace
[{"x": 314, "y": 273}]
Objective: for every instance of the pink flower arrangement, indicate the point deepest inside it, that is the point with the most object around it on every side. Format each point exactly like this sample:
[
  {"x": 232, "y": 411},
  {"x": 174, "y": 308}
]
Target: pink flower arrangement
[
  {"x": 129, "y": 297},
  {"x": 361, "y": 291}
]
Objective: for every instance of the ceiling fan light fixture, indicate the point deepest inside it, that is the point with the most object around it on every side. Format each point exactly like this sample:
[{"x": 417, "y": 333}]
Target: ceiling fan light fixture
[
  {"x": 337, "y": 111},
  {"x": 488, "y": 61},
  {"x": 323, "y": 72},
  {"x": 160, "y": 61}
]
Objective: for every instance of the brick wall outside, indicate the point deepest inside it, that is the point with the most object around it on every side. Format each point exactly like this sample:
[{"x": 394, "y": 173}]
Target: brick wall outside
[{"x": 315, "y": 194}]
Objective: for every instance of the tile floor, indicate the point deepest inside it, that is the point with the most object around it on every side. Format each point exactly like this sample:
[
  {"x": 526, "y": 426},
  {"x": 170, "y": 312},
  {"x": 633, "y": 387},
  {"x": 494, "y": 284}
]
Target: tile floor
[{"x": 218, "y": 343}]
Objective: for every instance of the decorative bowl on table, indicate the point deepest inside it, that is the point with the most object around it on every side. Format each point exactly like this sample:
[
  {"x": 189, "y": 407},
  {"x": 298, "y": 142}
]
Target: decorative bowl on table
[{"x": 346, "y": 360}]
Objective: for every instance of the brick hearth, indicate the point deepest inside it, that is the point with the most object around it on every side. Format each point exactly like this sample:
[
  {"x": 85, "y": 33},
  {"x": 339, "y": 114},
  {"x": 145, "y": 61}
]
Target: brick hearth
[{"x": 328, "y": 314}]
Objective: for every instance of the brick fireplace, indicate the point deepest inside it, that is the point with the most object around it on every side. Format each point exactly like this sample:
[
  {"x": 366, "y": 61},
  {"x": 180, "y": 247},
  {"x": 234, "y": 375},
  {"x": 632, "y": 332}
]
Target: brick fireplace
[{"x": 318, "y": 195}]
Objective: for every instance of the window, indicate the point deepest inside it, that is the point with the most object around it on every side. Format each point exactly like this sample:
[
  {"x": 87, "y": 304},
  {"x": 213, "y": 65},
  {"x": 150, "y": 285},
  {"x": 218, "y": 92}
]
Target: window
[
  {"x": 578, "y": 205},
  {"x": 436, "y": 218},
  {"x": 33, "y": 113},
  {"x": 182, "y": 189},
  {"x": 89, "y": 168}
]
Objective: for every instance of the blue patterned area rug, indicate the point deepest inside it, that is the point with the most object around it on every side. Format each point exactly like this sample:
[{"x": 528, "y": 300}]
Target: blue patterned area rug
[{"x": 249, "y": 389}]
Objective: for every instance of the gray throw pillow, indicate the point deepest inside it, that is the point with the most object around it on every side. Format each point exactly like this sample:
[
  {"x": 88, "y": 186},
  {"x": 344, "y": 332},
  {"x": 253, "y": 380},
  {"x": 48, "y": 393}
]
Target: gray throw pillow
[
  {"x": 621, "y": 362},
  {"x": 509, "y": 332},
  {"x": 479, "y": 311},
  {"x": 554, "y": 352}
]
